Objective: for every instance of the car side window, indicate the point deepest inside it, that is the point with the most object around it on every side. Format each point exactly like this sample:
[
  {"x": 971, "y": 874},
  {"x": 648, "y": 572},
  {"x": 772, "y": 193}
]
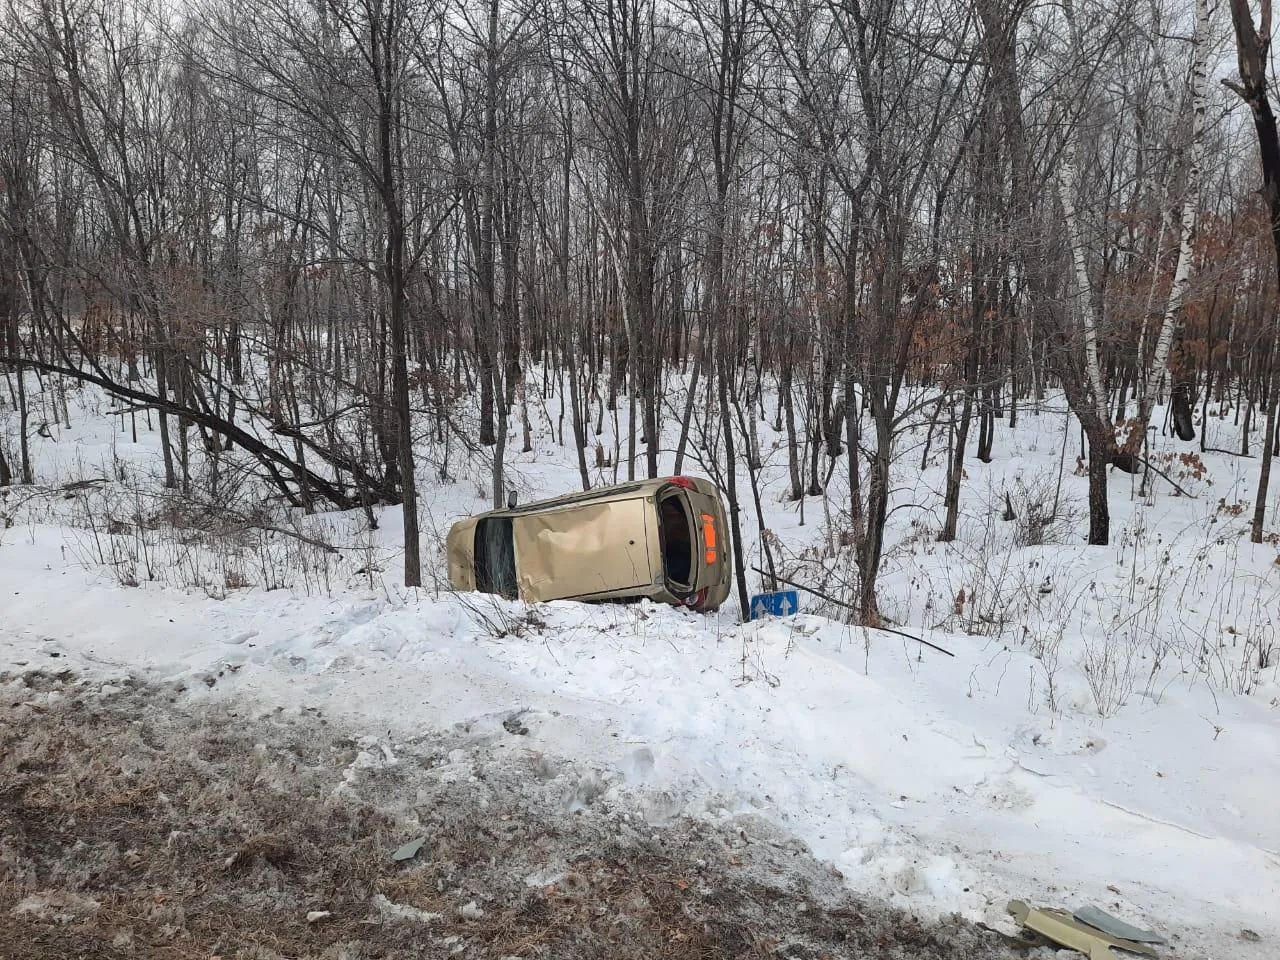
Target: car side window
[{"x": 495, "y": 557}]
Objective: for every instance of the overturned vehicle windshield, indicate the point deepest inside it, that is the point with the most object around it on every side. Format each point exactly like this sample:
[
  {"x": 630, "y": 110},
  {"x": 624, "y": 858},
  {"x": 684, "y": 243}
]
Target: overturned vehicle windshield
[{"x": 662, "y": 539}]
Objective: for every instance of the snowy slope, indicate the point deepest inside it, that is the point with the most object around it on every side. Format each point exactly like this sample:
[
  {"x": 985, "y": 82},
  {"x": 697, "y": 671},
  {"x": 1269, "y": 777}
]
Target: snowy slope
[
  {"x": 882, "y": 763},
  {"x": 940, "y": 784}
]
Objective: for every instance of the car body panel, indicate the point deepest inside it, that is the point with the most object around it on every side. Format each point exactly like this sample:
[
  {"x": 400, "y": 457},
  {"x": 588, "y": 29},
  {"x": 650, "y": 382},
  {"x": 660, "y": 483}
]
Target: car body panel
[
  {"x": 461, "y": 551},
  {"x": 606, "y": 544},
  {"x": 1062, "y": 928},
  {"x": 715, "y": 577},
  {"x": 583, "y": 550}
]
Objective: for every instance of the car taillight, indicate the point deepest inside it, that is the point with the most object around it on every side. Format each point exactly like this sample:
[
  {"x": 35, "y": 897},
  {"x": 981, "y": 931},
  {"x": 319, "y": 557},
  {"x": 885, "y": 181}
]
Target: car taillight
[
  {"x": 709, "y": 537},
  {"x": 684, "y": 482},
  {"x": 696, "y": 599}
]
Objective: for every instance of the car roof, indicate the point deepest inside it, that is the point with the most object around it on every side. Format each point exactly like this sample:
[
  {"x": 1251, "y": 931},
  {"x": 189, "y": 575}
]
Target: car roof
[{"x": 621, "y": 491}]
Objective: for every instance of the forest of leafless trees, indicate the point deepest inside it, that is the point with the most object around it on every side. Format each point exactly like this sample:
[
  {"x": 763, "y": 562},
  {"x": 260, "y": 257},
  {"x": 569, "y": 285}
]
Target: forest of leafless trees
[{"x": 337, "y": 239}]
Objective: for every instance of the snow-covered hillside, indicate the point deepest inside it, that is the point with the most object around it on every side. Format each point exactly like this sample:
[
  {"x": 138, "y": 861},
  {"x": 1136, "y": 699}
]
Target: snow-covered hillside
[{"x": 1108, "y": 730}]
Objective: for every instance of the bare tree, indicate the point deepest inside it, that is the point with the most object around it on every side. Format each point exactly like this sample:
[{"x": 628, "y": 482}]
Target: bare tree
[{"x": 1253, "y": 44}]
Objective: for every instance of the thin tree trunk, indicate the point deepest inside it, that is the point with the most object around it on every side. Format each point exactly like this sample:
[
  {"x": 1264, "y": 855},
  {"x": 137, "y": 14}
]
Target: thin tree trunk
[
  {"x": 385, "y": 39},
  {"x": 687, "y": 418},
  {"x": 1252, "y": 48},
  {"x": 1154, "y": 383},
  {"x": 731, "y": 490},
  {"x": 577, "y": 418},
  {"x": 1099, "y": 510},
  {"x": 793, "y": 449},
  {"x": 1082, "y": 289}
]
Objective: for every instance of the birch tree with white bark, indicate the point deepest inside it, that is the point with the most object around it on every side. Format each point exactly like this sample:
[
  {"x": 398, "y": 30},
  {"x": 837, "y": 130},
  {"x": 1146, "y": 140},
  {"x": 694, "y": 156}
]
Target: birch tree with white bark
[{"x": 1157, "y": 371}]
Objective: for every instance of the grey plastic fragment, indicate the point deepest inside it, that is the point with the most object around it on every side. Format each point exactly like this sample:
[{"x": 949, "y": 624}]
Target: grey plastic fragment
[
  {"x": 409, "y": 850},
  {"x": 1101, "y": 920}
]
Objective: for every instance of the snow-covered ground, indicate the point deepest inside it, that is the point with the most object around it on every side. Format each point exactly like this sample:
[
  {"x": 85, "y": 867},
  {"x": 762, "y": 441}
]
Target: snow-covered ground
[{"x": 1108, "y": 730}]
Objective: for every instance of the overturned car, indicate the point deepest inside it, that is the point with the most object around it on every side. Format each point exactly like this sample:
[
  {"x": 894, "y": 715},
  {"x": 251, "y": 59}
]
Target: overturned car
[{"x": 662, "y": 539}]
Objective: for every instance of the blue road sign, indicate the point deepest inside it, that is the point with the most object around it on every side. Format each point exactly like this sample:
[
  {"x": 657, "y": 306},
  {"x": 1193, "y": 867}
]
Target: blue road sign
[{"x": 783, "y": 603}]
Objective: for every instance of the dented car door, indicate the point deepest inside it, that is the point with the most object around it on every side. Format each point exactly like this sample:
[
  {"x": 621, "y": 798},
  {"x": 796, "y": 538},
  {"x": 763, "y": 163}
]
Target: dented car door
[{"x": 579, "y": 551}]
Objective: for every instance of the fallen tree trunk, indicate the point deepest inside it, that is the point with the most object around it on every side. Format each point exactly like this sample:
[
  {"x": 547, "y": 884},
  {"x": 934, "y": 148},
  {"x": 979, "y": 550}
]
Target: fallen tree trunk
[{"x": 279, "y": 467}]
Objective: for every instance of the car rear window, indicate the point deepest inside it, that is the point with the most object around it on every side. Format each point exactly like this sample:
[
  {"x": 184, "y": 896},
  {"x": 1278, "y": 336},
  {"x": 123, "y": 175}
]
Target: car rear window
[{"x": 495, "y": 557}]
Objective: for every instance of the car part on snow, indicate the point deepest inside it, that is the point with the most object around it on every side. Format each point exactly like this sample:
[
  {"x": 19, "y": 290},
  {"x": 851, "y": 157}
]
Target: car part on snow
[
  {"x": 1101, "y": 920},
  {"x": 1064, "y": 929}
]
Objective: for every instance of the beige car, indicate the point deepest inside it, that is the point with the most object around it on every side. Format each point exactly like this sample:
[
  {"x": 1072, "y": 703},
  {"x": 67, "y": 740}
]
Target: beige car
[{"x": 662, "y": 539}]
